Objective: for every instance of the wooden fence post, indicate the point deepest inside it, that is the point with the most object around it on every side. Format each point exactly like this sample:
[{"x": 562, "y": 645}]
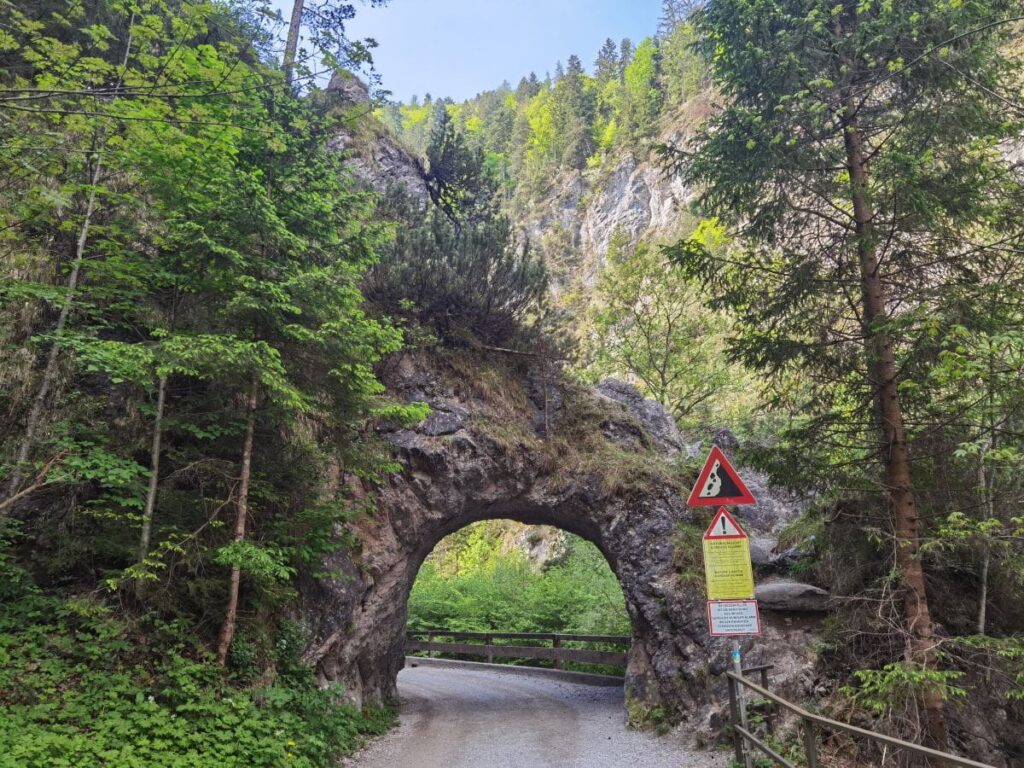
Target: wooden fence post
[
  {"x": 490, "y": 653},
  {"x": 770, "y": 717},
  {"x": 556, "y": 642},
  {"x": 810, "y": 743}
]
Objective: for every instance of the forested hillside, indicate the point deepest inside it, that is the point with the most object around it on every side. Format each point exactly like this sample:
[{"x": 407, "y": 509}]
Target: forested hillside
[
  {"x": 796, "y": 225},
  {"x": 180, "y": 302}
]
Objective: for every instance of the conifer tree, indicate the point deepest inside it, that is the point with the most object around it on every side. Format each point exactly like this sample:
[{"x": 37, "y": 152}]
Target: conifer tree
[
  {"x": 858, "y": 157},
  {"x": 574, "y": 109},
  {"x": 606, "y": 67},
  {"x": 625, "y": 56}
]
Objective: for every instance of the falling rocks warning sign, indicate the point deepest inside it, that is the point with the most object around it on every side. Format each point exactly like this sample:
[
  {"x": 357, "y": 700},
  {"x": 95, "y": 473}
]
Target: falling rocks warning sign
[
  {"x": 727, "y": 566},
  {"x": 719, "y": 483}
]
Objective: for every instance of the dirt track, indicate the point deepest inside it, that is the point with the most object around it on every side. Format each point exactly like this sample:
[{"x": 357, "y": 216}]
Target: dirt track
[{"x": 472, "y": 718}]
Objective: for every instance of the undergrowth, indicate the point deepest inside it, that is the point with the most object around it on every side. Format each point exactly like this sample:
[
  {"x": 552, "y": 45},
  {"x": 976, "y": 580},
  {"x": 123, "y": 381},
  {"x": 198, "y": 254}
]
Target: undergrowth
[{"x": 82, "y": 687}]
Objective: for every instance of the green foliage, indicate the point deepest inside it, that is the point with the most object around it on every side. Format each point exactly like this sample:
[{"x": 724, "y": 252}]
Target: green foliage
[
  {"x": 543, "y": 129},
  {"x": 641, "y": 97},
  {"x": 898, "y": 685},
  {"x": 475, "y": 581},
  {"x": 456, "y": 177},
  {"x": 176, "y": 235},
  {"x": 925, "y": 85},
  {"x": 1007, "y": 652},
  {"x": 82, "y": 687},
  {"x": 649, "y": 325},
  {"x": 262, "y": 563},
  {"x": 460, "y": 282}
]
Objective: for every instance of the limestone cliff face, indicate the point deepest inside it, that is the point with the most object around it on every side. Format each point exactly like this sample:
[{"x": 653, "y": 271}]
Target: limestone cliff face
[
  {"x": 631, "y": 197},
  {"x": 573, "y": 221}
]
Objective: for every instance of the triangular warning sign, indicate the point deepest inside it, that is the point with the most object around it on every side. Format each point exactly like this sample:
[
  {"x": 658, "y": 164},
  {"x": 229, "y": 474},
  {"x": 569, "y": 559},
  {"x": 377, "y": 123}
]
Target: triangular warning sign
[
  {"x": 724, "y": 527},
  {"x": 719, "y": 483}
]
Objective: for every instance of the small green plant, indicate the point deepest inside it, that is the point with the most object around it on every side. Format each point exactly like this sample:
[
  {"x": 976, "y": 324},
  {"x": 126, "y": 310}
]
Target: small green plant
[
  {"x": 81, "y": 686},
  {"x": 897, "y": 684},
  {"x": 642, "y": 717},
  {"x": 687, "y": 539}
]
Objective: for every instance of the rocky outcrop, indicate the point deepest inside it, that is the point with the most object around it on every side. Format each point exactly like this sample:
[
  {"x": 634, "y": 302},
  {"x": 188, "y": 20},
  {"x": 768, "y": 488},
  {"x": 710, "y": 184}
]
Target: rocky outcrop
[
  {"x": 652, "y": 417},
  {"x": 479, "y": 457},
  {"x": 631, "y": 197},
  {"x": 638, "y": 199},
  {"x": 372, "y": 155}
]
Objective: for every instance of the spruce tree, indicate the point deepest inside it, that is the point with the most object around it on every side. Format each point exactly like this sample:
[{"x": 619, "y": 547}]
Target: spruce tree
[
  {"x": 606, "y": 67},
  {"x": 625, "y": 56},
  {"x": 574, "y": 111},
  {"x": 858, "y": 157}
]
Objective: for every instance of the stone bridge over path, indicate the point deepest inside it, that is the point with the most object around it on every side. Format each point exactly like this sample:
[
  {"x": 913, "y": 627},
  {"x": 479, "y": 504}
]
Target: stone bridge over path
[{"x": 507, "y": 441}]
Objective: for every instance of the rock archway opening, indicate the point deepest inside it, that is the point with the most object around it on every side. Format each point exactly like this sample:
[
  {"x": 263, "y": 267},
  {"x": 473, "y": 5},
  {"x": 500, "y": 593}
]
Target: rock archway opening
[
  {"x": 603, "y": 464},
  {"x": 504, "y": 576}
]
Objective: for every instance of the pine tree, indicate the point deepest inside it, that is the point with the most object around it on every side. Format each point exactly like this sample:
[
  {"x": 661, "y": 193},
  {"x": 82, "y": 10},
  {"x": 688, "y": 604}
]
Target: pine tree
[
  {"x": 641, "y": 97},
  {"x": 674, "y": 13},
  {"x": 528, "y": 88},
  {"x": 606, "y": 67},
  {"x": 456, "y": 179},
  {"x": 574, "y": 113},
  {"x": 625, "y": 56}
]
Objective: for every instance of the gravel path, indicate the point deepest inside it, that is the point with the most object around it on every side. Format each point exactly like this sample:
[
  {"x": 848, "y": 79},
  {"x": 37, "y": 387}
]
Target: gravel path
[{"x": 455, "y": 718}]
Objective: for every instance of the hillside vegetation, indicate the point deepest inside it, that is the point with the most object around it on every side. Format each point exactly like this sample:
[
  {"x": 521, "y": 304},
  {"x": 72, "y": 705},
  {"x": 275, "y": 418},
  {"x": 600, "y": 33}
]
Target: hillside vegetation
[
  {"x": 483, "y": 578},
  {"x": 197, "y": 298}
]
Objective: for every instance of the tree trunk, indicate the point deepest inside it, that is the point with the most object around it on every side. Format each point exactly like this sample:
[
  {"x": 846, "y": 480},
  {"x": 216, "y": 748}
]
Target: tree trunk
[
  {"x": 154, "y": 470},
  {"x": 920, "y": 640},
  {"x": 292, "y": 42},
  {"x": 986, "y": 482},
  {"x": 35, "y": 414},
  {"x": 227, "y": 631},
  {"x": 986, "y": 561}
]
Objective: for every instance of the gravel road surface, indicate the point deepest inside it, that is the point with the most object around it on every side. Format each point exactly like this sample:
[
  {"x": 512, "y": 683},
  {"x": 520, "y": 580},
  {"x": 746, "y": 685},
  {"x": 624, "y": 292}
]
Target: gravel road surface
[{"x": 473, "y": 718}]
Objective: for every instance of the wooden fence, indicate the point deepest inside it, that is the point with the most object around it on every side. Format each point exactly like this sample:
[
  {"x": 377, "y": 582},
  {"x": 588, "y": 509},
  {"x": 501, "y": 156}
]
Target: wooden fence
[
  {"x": 490, "y": 646},
  {"x": 813, "y": 727}
]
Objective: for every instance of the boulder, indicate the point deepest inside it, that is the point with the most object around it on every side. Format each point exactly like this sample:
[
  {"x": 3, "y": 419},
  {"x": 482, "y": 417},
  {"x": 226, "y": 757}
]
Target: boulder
[
  {"x": 792, "y": 596},
  {"x": 446, "y": 417}
]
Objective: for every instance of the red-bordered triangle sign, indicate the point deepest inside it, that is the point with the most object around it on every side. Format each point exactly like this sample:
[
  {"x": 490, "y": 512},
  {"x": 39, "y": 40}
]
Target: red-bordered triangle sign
[
  {"x": 724, "y": 526},
  {"x": 719, "y": 483}
]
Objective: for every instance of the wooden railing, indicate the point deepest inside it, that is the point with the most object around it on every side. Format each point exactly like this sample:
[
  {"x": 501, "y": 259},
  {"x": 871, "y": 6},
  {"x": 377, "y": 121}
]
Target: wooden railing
[
  {"x": 483, "y": 644},
  {"x": 812, "y": 725}
]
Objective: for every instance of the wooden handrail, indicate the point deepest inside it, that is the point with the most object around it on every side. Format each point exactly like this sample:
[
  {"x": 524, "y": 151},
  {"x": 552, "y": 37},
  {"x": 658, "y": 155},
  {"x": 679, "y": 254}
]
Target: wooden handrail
[
  {"x": 809, "y": 718},
  {"x": 561, "y": 637},
  {"x": 557, "y": 652}
]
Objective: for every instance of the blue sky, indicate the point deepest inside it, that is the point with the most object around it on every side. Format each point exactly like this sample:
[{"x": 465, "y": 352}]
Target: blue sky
[{"x": 458, "y": 48}]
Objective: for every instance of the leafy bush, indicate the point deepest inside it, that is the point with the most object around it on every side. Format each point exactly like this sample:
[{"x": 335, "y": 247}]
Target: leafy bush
[
  {"x": 483, "y": 586},
  {"x": 81, "y": 687}
]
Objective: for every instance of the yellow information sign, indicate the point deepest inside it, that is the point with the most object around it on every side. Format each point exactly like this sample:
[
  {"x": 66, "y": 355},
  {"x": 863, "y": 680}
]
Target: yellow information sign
[{"x": 727, "y": 565}]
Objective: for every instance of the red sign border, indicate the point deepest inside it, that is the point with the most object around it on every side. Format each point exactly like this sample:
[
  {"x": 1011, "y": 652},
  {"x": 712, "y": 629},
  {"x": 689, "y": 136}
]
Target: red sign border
[
  {"x": 722, "y": 511},
  {"x": 757, "y": 615},
  {"x": 696, "y": 501}
]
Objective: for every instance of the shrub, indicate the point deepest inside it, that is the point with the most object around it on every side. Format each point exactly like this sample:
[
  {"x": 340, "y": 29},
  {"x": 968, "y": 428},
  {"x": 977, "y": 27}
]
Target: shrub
[
  {"x": 81, "y": 687},
  {"x": 458, "y": 281}
]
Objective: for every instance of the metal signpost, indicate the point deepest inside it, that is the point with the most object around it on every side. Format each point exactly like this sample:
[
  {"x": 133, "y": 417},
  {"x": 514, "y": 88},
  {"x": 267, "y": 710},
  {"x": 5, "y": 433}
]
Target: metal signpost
[{"x": 732, "y": 609}]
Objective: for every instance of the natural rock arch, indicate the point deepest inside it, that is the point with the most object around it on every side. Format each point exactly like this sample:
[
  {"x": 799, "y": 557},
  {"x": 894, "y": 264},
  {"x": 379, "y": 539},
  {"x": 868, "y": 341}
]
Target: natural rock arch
[{"x": 608, "y": 472}]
